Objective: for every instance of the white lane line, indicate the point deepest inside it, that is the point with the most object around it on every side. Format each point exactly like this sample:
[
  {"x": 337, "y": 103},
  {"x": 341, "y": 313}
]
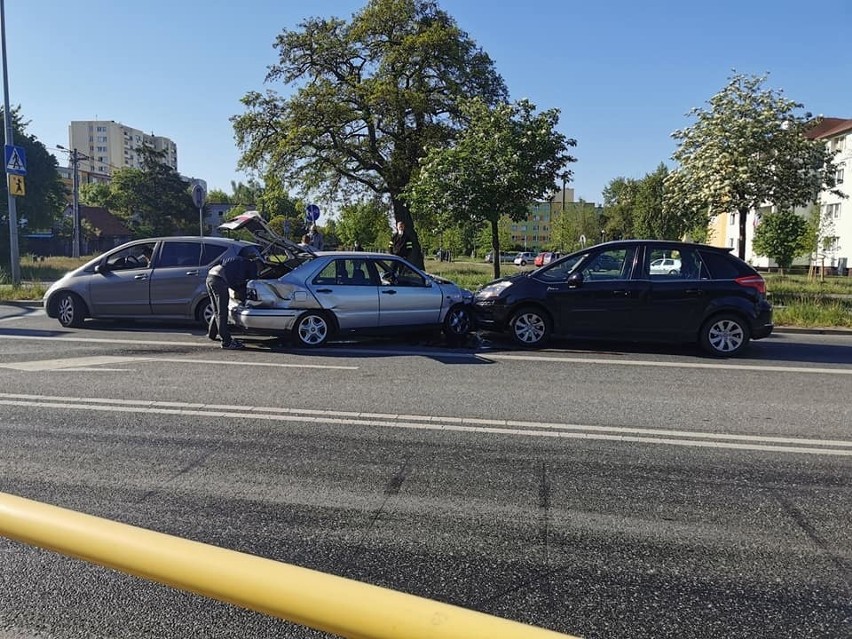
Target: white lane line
[
  {"x": 430, "y": 422},
  {"x": 87, "y": 364}
]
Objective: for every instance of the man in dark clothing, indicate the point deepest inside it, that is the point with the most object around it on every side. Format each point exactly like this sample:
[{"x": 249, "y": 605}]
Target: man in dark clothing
[
  {"x": 233, "y": 273},
  {"x": 401, "y": 244}
]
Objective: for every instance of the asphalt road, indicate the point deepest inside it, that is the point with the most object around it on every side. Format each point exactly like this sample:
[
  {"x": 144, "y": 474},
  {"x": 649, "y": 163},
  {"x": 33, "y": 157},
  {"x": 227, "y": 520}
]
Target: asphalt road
[{"x": 604, "y": 490}]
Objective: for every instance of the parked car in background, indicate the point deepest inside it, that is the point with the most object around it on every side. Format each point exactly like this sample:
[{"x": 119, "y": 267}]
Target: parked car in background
[
  {"x": 505, "y": 258},
  {"x": 666, "y": 265},
  {"x": 343, "y": 293},
  {"x": 542, "y": 259},
  {"x": 609, "y": 291},
  {"x": 522, "y": 259}
]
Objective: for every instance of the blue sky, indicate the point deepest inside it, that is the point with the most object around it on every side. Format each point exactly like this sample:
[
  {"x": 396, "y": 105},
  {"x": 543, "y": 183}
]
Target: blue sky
[{"x": 623, "y": 73}]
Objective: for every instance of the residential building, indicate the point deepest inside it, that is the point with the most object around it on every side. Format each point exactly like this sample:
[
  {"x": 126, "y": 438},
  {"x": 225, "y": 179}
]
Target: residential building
[
  {"x": 535, "y": 232},
  {"x": 835, "y": 243},
  {"x": 107, "y": 145}
]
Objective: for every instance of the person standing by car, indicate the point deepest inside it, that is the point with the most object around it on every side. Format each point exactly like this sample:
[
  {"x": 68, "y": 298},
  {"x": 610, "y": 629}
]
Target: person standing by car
[
  {"x": 233, "y": 273},
  {"x": 401, "y": 244}
]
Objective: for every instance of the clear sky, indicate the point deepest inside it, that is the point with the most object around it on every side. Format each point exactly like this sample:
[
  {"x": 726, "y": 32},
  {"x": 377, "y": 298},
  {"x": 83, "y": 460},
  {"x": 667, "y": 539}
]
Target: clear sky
[{"x": 623, "y": 73}]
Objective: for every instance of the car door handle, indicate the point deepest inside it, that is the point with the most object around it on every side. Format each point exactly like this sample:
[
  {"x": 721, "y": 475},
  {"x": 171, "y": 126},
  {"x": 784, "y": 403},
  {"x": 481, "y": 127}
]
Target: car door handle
[
  {"x": 195, "y": 272},
  {"x": 621, "y": 292},
  {"x": 142, "y": 276},
  {"x": 390, "y": 292},
  {"x": 694, "y": 291},
  {"x": 325, "y": 290}
]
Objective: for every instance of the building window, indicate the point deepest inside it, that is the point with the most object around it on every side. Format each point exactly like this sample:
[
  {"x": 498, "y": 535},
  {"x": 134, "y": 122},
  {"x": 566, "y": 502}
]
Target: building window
[
  {"x": 730, "y": 242},
  {"x": 101, "y": 129},
  {"x": 838, "y": 177},
  {"x": 102, "y": 149},
  {"x": 832, "y": 211},
  {"x": 830, "y": 244},
  {"x": 731, "y": 219}
]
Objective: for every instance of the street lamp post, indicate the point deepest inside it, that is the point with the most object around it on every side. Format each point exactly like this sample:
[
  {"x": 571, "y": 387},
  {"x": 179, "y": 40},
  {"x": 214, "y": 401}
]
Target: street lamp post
[
  {"x": 76, "y": 156},
  {"x": 14, "y": 258}
]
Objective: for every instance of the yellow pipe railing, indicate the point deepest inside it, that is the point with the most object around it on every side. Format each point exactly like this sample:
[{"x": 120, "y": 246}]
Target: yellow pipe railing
[{"x": 325, "y": 602}]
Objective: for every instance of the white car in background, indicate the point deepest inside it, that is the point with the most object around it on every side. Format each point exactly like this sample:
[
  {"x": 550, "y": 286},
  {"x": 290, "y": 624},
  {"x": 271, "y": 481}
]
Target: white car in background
[
  {"x": 522, "y": 259},
  {"x": 665, "y": 266}
]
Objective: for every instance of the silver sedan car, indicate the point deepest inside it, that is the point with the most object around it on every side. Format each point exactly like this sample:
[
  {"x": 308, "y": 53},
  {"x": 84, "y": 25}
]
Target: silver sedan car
[{"x": 352, "y": 292}]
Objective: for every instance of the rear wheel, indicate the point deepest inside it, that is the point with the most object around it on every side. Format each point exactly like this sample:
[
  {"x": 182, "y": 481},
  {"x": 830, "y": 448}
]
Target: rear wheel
[
  {"x": 530, "y": 327},
  {"x": 457, "y": 323},
  {"x": 724, "y": 335},
  {"x": 204, "y": 312},
  {"x": 70, "y": 310},
  {"x": 312, "y": 329}
]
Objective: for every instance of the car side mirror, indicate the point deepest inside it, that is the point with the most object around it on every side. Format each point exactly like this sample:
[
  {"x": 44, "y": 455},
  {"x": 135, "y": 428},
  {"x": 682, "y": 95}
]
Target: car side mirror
[
  {"x": 575, "y": 280},
  {"x": 103, "y": 269}
]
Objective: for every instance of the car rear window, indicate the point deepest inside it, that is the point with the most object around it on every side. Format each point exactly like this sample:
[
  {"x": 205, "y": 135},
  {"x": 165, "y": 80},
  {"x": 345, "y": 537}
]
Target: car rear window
[
  {"x": 211, "y": 252},
  {"x": 725, "y": 267}
]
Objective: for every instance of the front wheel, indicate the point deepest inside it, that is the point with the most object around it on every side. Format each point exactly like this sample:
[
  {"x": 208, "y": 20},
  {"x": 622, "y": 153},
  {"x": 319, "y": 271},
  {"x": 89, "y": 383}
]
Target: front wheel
[
  {"x": 530, "y": 327},
  {"x": 312, "y": 329},
  {"x": 204, "y": 312},
  {"x": 70, "y": 310},
  {"x": 458, "y": 323},
  {"x": 724, "y": 335}
]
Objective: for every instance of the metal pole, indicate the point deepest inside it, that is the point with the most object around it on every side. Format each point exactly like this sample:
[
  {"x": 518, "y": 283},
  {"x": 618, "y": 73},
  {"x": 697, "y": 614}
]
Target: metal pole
[
  {"x": 75, "y": 242},
  {"x": 14, "y": 258}
]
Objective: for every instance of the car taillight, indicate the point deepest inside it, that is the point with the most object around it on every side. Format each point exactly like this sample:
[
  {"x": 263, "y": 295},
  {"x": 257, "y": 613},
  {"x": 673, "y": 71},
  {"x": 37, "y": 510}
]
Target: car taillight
[{"x": 754, "y": 281}]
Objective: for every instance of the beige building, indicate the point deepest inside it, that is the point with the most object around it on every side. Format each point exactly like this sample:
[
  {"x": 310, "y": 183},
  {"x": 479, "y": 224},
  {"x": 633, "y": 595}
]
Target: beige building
[{"x": 108, "y": 145}]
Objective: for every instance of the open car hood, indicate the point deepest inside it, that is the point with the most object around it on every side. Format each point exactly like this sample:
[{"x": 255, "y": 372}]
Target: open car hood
[{"x": 271, "y": 244}]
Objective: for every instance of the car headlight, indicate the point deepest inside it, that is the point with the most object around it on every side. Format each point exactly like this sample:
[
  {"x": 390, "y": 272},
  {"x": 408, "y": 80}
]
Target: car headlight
[{"x": 492, "y": 291}]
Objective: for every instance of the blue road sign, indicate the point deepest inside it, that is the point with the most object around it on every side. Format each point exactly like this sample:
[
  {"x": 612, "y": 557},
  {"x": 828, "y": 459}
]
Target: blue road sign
[
  {"x": 16, "y": 160},
  {"x": 312, "y": 212},
  {"x": 198, "y": 195}
]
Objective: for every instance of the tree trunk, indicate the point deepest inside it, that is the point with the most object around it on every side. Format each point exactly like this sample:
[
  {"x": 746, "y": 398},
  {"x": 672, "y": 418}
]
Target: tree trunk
[
  {"x": 402, "y": 214},
  {"x": 741, "y": 241},
  {"x": 495, "y": 247}
]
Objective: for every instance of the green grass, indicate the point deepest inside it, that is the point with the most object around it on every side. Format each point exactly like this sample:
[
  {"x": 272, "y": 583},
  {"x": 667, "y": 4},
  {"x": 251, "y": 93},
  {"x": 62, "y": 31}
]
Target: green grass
[{"x": 798, "y": 301}]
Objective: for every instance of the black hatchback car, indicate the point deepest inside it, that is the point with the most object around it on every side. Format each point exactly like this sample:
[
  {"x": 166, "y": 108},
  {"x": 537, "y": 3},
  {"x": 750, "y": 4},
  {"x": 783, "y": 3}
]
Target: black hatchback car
[{"x": 610, "y": 291}]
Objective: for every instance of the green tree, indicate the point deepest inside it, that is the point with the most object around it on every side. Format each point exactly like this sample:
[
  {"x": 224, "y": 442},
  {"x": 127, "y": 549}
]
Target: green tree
[
  {"x": 364, "y": 222},
  {"x": 504, "y": 235},
  {"x": 619, "y": 197},
  {"x": 368, "y": 96},
  {"x": 45, "y": 193},
  {"x": 750, "y": 147},
  {"x": 506, "y": 158},
  {"x": 96, "y": 194},
  {"x": 577, "y": 220},
  {"x": 782, "y": 236},
  {"x": 153, "y": 200}
]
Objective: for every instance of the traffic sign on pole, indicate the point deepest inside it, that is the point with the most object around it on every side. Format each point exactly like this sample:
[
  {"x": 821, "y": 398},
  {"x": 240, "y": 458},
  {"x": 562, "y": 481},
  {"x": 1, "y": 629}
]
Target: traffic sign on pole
[
  {"x": 16, "y": 160},
  {"x": 312, "y": 212}
]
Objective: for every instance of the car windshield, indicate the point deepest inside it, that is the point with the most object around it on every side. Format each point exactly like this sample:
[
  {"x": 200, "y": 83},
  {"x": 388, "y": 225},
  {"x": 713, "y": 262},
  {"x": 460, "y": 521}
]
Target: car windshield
[{"x": 560, "y": 270}]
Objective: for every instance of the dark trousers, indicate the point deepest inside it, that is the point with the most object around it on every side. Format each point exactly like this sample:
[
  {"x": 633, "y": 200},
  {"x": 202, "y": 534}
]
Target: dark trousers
[{"x": 218, "y": 290}]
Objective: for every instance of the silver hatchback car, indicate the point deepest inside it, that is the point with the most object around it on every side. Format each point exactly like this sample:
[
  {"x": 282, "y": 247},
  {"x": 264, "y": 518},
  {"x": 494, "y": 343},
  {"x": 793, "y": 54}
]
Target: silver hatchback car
[{"x": 158, "y": 278}]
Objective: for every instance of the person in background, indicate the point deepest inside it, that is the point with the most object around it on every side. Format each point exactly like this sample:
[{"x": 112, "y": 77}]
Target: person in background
[
  {"x": 233, "y": 273},
  {"x": 357, "y": 246},
  {"x": 401, "y": 244},
  {"x": 315, "y": 239}
]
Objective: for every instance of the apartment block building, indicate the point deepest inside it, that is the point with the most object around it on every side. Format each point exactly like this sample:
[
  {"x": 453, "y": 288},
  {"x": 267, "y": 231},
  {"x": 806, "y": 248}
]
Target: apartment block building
[
  {"x": 108, "y": 145},
  {"x": 835, "y": 242},
  {"x": 535, "y": 232}
]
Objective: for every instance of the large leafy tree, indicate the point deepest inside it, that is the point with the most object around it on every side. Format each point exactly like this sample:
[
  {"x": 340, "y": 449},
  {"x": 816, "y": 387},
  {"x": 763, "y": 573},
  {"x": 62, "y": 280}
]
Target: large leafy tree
[
  {"x": 368, "y": 96},
  {"x": 749, "y": 148},
  {"x": 45, "y": 193},
  {"x": 366, "y": 223},
  {"x": 507, "y": 157},
  {"x": 574, "y": 222},
  {"x": 783, "y": 236},
  {"x": 152, "y": 201}
]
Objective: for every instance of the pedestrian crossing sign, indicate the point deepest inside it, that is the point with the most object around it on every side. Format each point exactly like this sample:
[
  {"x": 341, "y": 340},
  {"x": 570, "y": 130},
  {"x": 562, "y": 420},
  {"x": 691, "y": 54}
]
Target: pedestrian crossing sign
[
  {"x": 16, "y": 160},
  {"x": 16, "y": 186}
]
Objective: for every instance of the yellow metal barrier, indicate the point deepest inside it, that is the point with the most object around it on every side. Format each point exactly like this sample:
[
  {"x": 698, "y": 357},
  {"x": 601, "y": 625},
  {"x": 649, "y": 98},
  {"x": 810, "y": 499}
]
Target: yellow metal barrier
[{"x": 326, "y": 602}]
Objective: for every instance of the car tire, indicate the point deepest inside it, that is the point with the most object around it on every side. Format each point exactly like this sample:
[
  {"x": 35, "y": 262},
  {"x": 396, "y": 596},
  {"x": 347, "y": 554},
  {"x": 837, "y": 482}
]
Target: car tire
[
  {"x": 204, "y": 312},
  {"x": 725, "y": 335},
  {"x": 530, "y": 327},
  {"x": 312, "y": 329},
  {"x": 458, "y": 323},
  {"x": 70, "y": 310}
]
